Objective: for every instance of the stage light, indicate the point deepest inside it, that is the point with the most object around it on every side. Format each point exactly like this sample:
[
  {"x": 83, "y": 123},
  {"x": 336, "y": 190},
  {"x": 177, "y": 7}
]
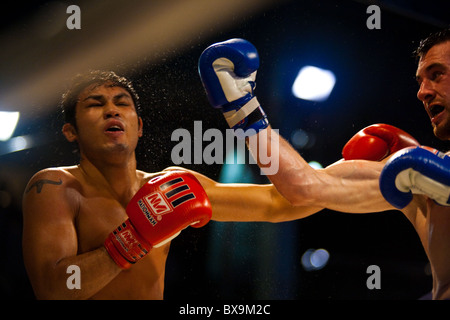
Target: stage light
[
  {"x": 315, "y": 165},
  {"x": 313, "y": 84},
  {"x": 319, "y": 258},
  {"x": 8, "y": 123},
  {"x": 234, "y": 170},
  {"x": 315, "y": 259},
  {"x": 302, "y": 140},
  {"x": 18, "y": 144}
]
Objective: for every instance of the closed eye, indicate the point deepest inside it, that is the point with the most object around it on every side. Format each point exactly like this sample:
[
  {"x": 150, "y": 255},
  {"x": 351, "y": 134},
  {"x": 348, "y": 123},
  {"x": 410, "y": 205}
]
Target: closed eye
[{"x": 123, "y": 99}]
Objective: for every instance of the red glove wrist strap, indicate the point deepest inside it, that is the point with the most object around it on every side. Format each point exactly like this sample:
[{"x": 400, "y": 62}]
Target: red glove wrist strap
[{"x": 125, "y": 246}]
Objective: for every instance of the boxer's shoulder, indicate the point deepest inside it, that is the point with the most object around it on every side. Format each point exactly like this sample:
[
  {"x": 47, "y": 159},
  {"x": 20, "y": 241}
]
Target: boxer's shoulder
[
  {"x": 63, "y": 177},
  {"x": 52, "y": 188}
]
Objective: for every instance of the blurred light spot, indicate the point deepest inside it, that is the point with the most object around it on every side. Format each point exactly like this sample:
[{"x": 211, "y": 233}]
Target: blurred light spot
[
  {"x": 315, "y": 165},
  {"x": 301, "y": 139},
  {"x": 234, "y": 170},
  {"x": 18, "y": 143},
  {"x": 315, "y": 259},
  {"x": 319, "y": 258},
  {"x": 8, "y": 123},
  {"x": 313, "y": 84}
]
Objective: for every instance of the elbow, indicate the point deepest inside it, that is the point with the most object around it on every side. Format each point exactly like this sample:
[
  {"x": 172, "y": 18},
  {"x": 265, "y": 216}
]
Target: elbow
[
  {"x": 298, "y": 187},
  {"x": 290, "y": 206},
  {"x": 54, "y": 286},
  {"x": 49, "y": 294},
  {"x": 296, "y": 194},
  {"x": 294, "y": 197},
  {"x": 44, "y": 292}
]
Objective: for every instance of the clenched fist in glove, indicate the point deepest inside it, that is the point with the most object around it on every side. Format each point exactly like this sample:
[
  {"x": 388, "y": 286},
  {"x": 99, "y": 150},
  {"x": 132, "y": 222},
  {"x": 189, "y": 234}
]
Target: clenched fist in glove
[
  {"x": 228, "y": 71},
  {"x": 157, "y": 213},
  {"x": 376, "y": 142}
]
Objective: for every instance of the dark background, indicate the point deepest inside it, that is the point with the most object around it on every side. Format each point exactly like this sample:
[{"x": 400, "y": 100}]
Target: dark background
[{"x": 375, "y": 84}]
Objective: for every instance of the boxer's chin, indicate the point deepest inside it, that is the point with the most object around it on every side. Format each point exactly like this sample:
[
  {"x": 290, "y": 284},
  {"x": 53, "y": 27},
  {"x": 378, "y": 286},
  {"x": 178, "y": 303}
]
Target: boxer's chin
[{"x": 442, "y": 131}]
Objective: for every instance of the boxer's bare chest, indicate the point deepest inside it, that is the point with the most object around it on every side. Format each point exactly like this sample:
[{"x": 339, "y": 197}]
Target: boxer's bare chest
[{"x": 98, "y": 215}]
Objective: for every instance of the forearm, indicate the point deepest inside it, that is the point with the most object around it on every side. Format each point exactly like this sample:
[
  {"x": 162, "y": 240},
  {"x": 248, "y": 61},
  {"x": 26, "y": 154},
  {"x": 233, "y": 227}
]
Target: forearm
[
  {"x": 95, "y": 270},
  {"x": 348, "y": 186},
  {"x": 287, "y": 170},
  {"x": 351, "y": 186},
  {"x": 249, "y": 202}
]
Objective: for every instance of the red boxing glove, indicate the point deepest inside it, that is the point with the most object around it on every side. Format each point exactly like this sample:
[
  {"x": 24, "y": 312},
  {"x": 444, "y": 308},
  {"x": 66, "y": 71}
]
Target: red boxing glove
[
  {"x": 376, "y": 142},
  {"x": 157, "y": 213}
]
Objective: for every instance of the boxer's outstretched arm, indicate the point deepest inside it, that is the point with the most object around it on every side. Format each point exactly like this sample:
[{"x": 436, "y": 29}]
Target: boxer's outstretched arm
[
  {"x": 228, "y": 73},
  {"x": 50, "y": 242},
  {"x": 348, "y": 186},
  {"x": 249, "y": 202}
]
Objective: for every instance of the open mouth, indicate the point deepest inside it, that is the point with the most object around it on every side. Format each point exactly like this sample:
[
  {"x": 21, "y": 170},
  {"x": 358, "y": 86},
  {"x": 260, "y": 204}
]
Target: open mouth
[
  {"x": 114, "y": 128},
  {"x": 435, "y": 110}
]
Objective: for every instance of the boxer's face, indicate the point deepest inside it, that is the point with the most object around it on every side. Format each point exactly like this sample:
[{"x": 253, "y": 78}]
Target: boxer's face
[
  {"x": 106, "y": 120},
  {"x": 433, "y": 76}
]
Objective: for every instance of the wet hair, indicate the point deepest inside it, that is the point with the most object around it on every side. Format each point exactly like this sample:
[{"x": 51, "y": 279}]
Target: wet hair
[
  {"x": 82, "y": 81},
  {"x": 433, "y": 39}
]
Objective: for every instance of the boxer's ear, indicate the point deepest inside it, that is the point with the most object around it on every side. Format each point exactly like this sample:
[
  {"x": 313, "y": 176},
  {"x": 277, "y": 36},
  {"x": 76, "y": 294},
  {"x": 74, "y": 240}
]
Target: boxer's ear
[
  {"x": 69, "y": 132},
  {"x": 141, "y": 127}
]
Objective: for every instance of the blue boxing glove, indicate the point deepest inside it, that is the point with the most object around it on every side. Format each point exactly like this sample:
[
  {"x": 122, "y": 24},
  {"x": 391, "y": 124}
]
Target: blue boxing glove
[
  {"x": 416, "y": 170},
  {"x": 228, "y": 72}
]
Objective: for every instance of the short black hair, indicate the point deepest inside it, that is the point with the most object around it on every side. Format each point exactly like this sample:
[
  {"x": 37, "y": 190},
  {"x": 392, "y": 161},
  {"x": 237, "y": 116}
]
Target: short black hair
[
  {"x": 82, "y": 81},
  {"x": 433, "y": 39}
]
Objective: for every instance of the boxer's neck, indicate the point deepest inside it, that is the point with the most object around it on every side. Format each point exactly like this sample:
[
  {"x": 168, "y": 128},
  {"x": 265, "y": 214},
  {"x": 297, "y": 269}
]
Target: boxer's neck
[{"x": 122, "y": 179}]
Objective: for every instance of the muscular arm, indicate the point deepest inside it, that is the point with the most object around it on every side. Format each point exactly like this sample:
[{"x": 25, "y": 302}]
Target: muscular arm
[
  {"x": 228, "y": 70},
  {"x": 348, "y": 186},
  {"x": 50, "y": 241},
  {"x": 249, "y": 202}
]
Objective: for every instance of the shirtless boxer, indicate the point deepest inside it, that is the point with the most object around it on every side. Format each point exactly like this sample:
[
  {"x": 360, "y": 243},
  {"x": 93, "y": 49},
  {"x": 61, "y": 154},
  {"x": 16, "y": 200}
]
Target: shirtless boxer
[
  {"x": 413, "y": 180},
  {"x": 95, "y": 215}
]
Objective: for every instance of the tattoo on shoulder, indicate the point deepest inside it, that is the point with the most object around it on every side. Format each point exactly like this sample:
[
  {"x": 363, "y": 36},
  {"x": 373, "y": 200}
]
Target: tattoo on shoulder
[{"x": 40, "y": 183}]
